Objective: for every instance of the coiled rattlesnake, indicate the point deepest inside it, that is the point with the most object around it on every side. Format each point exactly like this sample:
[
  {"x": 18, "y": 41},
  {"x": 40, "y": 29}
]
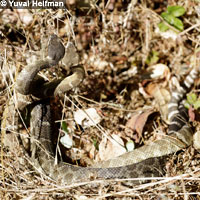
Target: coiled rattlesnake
[{"x": 146, "y": 161}]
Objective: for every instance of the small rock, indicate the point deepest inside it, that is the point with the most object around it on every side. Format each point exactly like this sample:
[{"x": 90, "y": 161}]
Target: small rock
[{"x": 196, "y": 139}]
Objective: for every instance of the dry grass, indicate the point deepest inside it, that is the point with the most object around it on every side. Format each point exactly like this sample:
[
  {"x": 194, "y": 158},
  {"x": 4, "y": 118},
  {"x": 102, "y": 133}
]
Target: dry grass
[{"x": 110, "y": 42}]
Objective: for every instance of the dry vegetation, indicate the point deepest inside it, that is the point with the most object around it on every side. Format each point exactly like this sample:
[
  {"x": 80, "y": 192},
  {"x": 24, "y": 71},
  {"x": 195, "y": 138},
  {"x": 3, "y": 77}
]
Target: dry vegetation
[{"x": 114, "y": 39}]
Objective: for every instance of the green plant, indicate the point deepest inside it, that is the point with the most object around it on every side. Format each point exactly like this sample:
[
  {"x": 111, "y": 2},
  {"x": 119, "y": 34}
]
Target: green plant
[
  {"x": 171, "y": 17},
  {"x": 64, "y": 127},
  {"x": 152, "y": 58},
  {"x": 193, "y": 101}
]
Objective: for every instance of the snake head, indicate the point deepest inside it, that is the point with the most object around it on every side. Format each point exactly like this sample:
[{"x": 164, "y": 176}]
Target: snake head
[{"x": 56, "y": 49}]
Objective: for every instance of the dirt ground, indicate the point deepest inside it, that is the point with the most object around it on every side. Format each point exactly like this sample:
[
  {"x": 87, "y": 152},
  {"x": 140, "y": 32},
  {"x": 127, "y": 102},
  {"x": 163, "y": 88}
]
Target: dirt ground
[{"x": 120, "y": 46}]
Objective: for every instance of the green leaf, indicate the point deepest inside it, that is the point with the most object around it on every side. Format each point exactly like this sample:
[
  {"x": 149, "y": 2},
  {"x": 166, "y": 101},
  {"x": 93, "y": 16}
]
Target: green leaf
[
  {"x": 64, "y": 127},
  {"x": 196, "y": 104},
  {"x": 176, "y": 11},
  {"x": 152, "y": 58},
  {"x": 168, "y": 18},
  {"x": 191, "y": 98},
  {"x": 186, "y": 104},
  {"x": 95, "y": 143},
  {"x": 163, "y": 27},
  {"x": 178, "y": 24}
]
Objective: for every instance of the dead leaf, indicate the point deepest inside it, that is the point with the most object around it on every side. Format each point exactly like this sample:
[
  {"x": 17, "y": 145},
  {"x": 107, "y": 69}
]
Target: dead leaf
[
  {"x": 191, "y": 113},
  {"x": 25, "y": 16},
  {"x": 66, "y": 140},
  {"x": 86, "y": 118},
  {"x": 160, "y": 71},
  {"x": 161, "y": 96},
  {"x": 138, "y": 121},
  {"x": 110, "y": 149}
]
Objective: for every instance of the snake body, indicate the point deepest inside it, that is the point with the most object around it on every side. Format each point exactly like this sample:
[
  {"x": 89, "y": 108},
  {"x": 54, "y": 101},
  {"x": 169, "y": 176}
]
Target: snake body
[{"x": 146, "y": 161}]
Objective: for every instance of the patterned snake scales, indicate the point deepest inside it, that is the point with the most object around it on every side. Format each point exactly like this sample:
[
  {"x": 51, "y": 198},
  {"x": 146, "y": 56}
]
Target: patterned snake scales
[{"x": 146, "y": 161}]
